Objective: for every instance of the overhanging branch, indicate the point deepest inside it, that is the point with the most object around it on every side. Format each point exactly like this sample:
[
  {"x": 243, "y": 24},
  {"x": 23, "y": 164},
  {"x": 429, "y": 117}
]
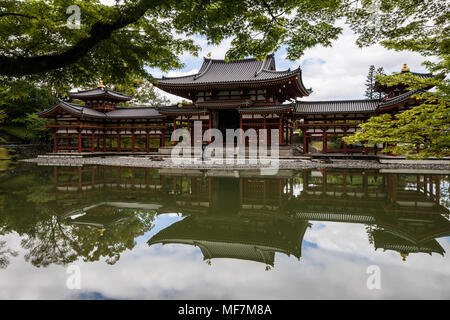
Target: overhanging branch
[{"x": 21, "y": 66}]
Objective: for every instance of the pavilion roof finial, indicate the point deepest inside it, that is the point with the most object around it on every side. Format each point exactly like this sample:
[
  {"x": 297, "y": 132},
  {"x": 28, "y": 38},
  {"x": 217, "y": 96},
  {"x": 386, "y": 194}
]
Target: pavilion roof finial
[
  {"x": 208, "y": 55},
  {"x": 404, "y": 255},
  {"x": 405, "y": 68},
  {"x": 100, "y": 84}
]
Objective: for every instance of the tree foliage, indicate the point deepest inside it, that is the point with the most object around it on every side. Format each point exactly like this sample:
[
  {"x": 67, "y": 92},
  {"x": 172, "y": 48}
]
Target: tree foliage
[
  {"x": 118, "y": 42},
  {"x": 370, "y": 83},
  {"x": 417, "y": 26}
]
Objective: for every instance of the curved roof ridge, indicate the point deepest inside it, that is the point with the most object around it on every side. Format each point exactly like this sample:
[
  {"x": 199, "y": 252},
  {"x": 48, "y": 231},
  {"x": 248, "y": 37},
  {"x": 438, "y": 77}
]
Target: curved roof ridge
[
  {"x": 176, "y": 77},
  {"x": 264, "y": 64},
  {"x": 235, "y": 61},
  {"x": 400, "y": 97},
  {"x": 280, "y": 71},
  {"x": 337, "y": 101},
  {"x": 205, "y": 70}
]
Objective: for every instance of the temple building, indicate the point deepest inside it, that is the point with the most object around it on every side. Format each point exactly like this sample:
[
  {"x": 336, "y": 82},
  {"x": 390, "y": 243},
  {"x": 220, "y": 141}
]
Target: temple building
[{"x": 246, "y": 94}]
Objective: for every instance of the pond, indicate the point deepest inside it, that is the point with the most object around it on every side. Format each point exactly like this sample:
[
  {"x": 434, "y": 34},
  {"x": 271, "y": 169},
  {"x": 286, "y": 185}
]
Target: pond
[{"x": 98, "y": 232}]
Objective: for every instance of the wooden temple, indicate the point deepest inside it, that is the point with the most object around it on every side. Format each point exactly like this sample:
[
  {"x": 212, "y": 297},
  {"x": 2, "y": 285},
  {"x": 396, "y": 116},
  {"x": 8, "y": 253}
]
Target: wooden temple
[{"x": 246, "y": 94}]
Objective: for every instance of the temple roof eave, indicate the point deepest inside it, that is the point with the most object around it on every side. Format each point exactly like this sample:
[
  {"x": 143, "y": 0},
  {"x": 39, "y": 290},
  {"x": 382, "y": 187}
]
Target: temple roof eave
[{"x": 99, "y": 92}]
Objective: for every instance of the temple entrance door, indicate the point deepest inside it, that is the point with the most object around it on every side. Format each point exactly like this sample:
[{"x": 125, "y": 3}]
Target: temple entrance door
[{"x": 227, "y": 119}]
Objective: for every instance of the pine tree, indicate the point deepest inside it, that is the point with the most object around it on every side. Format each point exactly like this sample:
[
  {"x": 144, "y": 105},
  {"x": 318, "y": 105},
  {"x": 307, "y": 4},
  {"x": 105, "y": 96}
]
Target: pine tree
[
  {"x": 380, "y": 72},
  {"x": 370, "y": 83}
]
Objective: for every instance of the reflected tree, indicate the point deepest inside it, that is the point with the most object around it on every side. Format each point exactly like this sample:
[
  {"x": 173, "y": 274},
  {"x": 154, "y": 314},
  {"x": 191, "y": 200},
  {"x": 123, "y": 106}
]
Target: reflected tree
[{"x": 62, "y": 241}]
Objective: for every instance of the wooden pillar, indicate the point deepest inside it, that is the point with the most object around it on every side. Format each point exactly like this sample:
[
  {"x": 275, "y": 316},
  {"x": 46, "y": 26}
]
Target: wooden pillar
[
  {"x": 305, "y": 141},
  {"x": 438, "y": 190},
  {"x": 80, "y": 178},
  {"x": 118, "y": 142},
  {"x": 280, "y": 128},
  {"x": 324, "y": 140},
  {"x": 104, "y": 141},
  {"x": 147, "y": 142},
  {"x": 292, "y": 134},
  {"x": 365, "y": 183},
  {"x": 345, "y": 143},
  {"x": 265, "y": 128},
  {"x": 163, "y": 138},
  {"x": 93, "y": 141},
  {"x": 210, "y": 124},
  {"x": 132, "y": 140},
  {"x": 55, "y": 176},
  {"x": 79, "y": 140},
  {"x": 305, "y": 180},
  {"x": 240, "y": 126},
  {"x": 55, "y": 142}
]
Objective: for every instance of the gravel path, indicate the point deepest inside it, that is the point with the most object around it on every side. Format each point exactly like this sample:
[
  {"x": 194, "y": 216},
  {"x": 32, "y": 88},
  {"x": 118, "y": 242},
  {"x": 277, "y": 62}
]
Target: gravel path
[{"x": 130, "y": 161}]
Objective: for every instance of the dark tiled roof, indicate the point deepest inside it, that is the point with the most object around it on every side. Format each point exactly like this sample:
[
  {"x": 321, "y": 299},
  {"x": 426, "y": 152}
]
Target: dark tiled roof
[
  {"x": 241, "y": 71},
  {"x": 390, "y": 241},
  {"x": 399, "y": 98},
  {"x": 75, "y": 109},
  {"x": 423, "y": 75},
  {"x": 349, "y": 106},
  {"x": 338, "y": 106},
  {"x": 268, "y": 109},
  {"x": 119, "y": 113},
  {"x": 99, "y": 93}
]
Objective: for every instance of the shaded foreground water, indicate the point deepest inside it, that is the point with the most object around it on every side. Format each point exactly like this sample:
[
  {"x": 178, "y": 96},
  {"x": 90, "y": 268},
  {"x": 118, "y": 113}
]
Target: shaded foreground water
[{"x": 148, "y": 233}]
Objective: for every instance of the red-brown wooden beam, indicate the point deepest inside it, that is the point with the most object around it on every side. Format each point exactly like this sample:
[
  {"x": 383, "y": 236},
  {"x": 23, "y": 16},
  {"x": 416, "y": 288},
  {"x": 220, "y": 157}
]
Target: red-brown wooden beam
[
  {"x": 79, "y": 141},
  {"x": 324, "y": 141},
  {"x": 55, "y": 142},
  {"x": 280, "y": 129},
  {"x": 93, "y": 142},
  {"x": 118, "y": 142},
  {"x": 305, "y": 142}
]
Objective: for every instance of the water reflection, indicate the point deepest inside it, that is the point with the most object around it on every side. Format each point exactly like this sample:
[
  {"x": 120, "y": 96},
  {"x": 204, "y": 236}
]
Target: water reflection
[{"x": 92, "y": 213}]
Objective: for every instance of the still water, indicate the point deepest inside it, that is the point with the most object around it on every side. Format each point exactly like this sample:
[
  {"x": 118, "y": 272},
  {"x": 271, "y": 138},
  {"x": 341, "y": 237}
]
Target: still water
[{"x": 132, "y": 233}]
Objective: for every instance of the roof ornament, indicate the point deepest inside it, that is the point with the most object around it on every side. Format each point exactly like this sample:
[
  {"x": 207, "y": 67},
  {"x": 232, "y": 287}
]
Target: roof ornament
[
  {"x": 404, "y": 255},
  {"x": 100, "y": 84},
  {"x": 208, "y": 55},
  {"x": 405, "y": 68}
]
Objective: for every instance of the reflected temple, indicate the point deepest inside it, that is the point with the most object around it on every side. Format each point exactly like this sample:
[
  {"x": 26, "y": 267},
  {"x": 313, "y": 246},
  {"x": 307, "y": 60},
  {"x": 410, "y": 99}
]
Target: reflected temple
[{"x": 256, "y": 217}]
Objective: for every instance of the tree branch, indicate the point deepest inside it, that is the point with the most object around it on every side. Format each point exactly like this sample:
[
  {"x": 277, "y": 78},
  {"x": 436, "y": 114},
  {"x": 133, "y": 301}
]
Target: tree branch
[
  {"x": 7, "y": 14},
  {"x": 21, "y": 66}
]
